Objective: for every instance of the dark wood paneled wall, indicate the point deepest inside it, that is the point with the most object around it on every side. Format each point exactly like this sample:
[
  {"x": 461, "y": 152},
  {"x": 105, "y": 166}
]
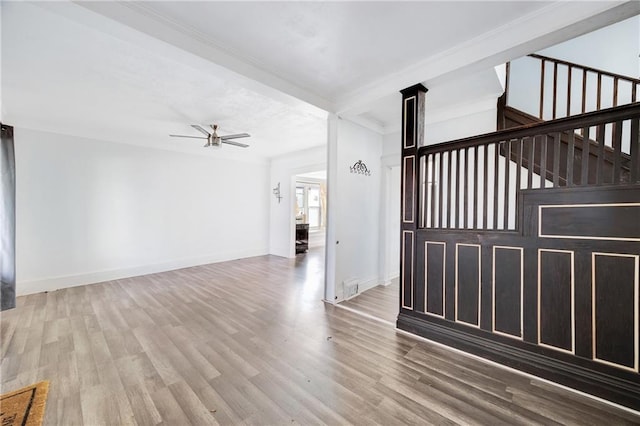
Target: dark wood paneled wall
[
  {"x": 413, "y": 99},
  {"x": 557, "y": 297},
  {"x": 564, "y": 307}
]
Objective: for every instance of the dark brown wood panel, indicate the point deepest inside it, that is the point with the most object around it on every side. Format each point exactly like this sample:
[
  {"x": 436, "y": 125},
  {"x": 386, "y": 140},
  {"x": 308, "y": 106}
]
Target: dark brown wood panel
[
  {"x": 413, "y": 99},
  {"x": 409, "y": 198},
  {"x": 507, "y": 288},
  {"x": 468, "y": 284},
  {"x": 409, "y": 122},
  {"x": 615, "y": 300},
  {"x": 555, "y": 299},
  {"x": 408, "y": 269},
  {"x": 598, "y": 221},
  {"x": 434, "y": 277}
]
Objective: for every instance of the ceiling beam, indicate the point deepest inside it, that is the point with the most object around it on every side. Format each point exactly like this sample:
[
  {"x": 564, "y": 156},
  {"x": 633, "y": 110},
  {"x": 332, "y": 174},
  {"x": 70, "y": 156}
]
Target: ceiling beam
[{"x": 558, "y": 22}]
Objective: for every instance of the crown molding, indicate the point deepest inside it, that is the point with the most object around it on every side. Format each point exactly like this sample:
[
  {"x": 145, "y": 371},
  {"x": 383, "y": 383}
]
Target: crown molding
[{"x": 544, "y": 27}]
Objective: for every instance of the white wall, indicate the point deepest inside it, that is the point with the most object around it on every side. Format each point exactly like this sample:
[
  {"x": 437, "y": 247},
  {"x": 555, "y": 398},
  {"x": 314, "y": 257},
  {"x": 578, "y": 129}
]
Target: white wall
[
  {"x": 283, "y": 169},
  {"x": 390, "y": 222},
  {"x": 614, "y": 48},
  {"x": 390, "y": 202},
  {"x": 475, "y": 123},
  {"x": 391, "y": 143},
  {"x": 354, "y": 207},
  {"x": 89, "y": 211}
]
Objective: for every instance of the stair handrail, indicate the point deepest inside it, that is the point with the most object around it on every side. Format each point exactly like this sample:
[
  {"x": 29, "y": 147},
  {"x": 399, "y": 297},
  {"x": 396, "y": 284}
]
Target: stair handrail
[
  {"x": 615, "y": 77},
  {"x": 588, "y": 119},
  {"x": 455, "y": 175},
  {"x": 585, "y": 67}
]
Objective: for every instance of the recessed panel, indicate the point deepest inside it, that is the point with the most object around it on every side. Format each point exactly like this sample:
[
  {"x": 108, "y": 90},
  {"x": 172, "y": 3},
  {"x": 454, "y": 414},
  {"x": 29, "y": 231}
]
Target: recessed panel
[
  {"x": 468, "y": 284},
  {"x": 591, "y": 221},
  {"x": 409, "y": 122},
  {"x": 408, "y": 178},
  {"x": 556, "y": 299},
  {"x": 615, "y": 309},
  {"x": 434, "y": 253},
  {"x": 407, "y": 270},
  {"x": 507, "y": 290}
]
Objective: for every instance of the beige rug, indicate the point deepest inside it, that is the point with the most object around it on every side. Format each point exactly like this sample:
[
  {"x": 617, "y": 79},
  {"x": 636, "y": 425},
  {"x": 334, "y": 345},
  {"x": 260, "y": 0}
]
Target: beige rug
[{"x": 24, "y": 406}]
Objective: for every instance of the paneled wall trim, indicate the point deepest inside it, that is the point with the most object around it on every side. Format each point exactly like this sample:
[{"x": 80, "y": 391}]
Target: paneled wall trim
[
  {"x": 556, "y": 299},
  {"x": 406, "y": 289},
  {"x": 615, "y": 337},
  {"x": 408, "y": 182},
  {"x": 468, "y": 281},
  {"x": 435, "y": 275},
  {"x": 579, "y": 221},
  {"x": 413, "y": 99},
  {"x": 507, "y": 271}
]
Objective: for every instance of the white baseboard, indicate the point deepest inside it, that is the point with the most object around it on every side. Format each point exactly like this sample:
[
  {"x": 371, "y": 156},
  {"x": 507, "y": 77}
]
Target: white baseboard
[
  {"x": 24, "y": 288},
  {"x": 366, "y": 285},
  {"x": 282, "y": 251},
  {"x": 391, "y": 278}
]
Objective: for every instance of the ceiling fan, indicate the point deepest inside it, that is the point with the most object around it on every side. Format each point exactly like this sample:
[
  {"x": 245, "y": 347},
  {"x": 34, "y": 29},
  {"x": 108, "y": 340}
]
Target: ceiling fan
[{"x": 213, "y": 139}]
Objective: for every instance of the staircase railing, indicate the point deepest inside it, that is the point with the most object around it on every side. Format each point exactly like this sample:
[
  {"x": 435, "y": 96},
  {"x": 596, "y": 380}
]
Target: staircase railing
[
  {"x": 473, "y": 183},
  {"x": 566, "y": 86},
  {"x": 523, "y": 246}
]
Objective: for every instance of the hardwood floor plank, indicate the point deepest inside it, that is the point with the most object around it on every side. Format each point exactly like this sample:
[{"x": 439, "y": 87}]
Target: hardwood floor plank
[
  {"x": 191, "y": 405},
  {"x": 380, "y": 301},
  {"x": 100, "y": 407},
  {"x": 218, "y": 407},
  {"x": 138, "y": 370},
  {"x": 169, "y": 409},
  {"x": 185, "y": 342},
  {"x": 142, "y": 406}
]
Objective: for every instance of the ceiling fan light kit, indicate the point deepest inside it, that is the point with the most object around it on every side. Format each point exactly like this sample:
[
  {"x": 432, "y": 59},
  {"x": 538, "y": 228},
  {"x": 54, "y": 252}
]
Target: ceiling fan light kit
[{"x": 213, "y": 139}]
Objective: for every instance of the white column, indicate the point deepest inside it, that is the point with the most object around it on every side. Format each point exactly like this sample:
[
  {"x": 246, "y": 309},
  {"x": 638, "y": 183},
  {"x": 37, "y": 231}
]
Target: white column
[{"x": 332, "y": 177}]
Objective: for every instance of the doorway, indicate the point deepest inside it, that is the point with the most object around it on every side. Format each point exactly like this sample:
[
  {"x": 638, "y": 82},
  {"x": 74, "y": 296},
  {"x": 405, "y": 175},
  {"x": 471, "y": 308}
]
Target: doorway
[{"x": 310, "y": 211}]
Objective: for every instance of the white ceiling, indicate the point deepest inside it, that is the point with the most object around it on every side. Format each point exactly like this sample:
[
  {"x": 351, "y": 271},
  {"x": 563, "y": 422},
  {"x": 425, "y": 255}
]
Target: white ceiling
[
  {"x": 65, "y": 77},
  {"x": 333, "y": 47},
  {"x": 134, "y": 72}
]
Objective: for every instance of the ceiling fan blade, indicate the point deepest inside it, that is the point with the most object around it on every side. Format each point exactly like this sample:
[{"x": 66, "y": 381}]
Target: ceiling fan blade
[
  {"x": 236, "y": 136},
  {"x": 243, "y": 145},
  {"x": 185, "y": 136},
  {"x": 200, "y": 129}
]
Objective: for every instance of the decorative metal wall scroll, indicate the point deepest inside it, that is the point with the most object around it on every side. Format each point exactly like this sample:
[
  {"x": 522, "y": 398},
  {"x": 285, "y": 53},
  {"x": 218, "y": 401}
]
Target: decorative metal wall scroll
[
  {"x": 360, "y": 168},
  {"x": 276, "y": 192}
]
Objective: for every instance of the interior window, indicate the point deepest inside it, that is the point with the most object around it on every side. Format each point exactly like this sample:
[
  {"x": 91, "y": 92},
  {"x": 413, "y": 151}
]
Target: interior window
[{"x": 309, "y": 203}]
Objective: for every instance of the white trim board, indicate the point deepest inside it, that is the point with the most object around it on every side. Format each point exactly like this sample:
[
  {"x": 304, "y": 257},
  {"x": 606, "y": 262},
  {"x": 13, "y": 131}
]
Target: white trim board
[{"x": 24, "y": 288}]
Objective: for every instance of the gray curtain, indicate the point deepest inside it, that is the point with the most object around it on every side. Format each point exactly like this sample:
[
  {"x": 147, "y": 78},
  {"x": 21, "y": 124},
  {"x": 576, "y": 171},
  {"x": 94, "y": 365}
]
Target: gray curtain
[{"x": 7, "y": 220}]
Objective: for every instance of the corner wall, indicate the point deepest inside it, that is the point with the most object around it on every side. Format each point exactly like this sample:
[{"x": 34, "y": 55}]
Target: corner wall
[
  {"x": 90, "y": 210},
  {"x": 354, "y": 207}
]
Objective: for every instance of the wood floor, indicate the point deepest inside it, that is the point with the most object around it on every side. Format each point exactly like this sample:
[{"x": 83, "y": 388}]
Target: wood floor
[
  {"x": 380, "y": 302},
  {"x": 250, "y": 342}
]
